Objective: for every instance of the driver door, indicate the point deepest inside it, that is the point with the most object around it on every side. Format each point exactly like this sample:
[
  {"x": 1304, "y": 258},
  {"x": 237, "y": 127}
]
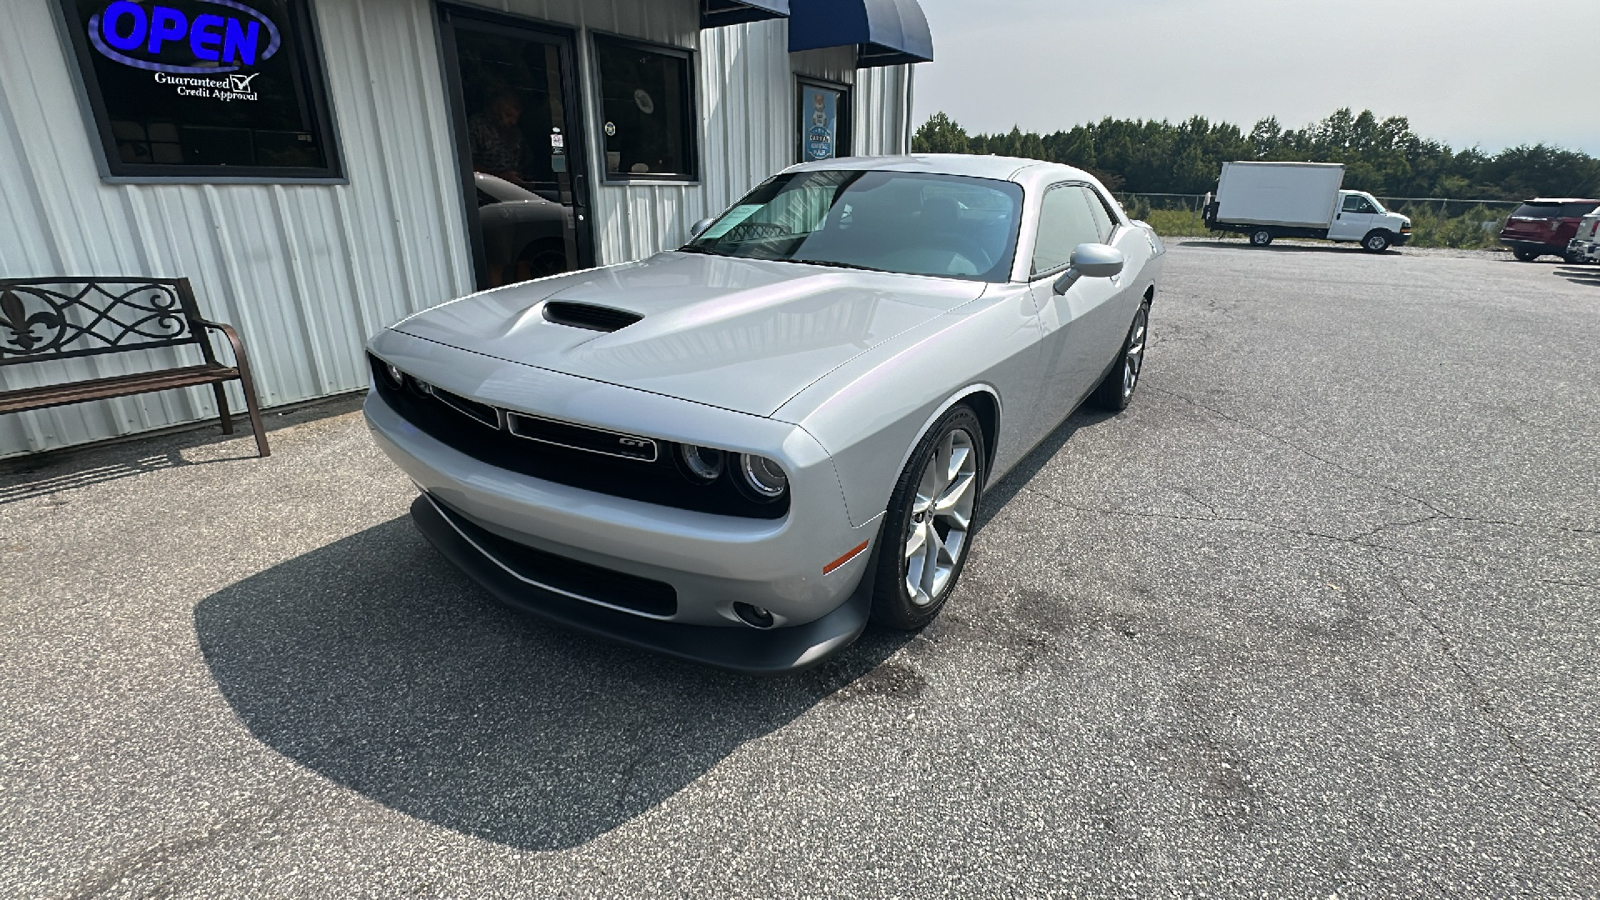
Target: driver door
[
  {"x": 1076, "y": 343},
  {"x": 1354, "y": 218}
]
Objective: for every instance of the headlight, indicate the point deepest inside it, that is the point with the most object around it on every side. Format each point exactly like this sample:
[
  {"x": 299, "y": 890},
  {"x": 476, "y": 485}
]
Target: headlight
[
  {"x": 702, "y": 463},
  {"x": 761, "y": 477}
]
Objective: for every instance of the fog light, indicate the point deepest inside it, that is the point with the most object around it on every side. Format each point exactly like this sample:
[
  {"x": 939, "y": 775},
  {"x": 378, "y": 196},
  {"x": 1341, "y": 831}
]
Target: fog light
[
  {"x": 703, "y": 464},
  {"x": 762, "y": 477},
  {"x": 754, "y": 616},
  {"x": 396, "y": 377}
]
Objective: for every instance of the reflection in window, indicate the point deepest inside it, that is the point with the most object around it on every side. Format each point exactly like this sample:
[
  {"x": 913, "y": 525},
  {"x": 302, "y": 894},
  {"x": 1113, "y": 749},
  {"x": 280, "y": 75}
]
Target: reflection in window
[{"x": 647, "y": 110}]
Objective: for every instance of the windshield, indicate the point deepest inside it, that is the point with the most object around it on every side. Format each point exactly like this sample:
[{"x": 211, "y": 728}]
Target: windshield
[
  {"x": 1374, "y": 201},
  {"x": 942, "y": 225}
]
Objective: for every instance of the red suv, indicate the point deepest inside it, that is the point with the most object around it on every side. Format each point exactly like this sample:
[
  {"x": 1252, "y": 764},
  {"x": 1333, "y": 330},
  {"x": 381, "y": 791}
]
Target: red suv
[{"x": 1544, "y": 227}]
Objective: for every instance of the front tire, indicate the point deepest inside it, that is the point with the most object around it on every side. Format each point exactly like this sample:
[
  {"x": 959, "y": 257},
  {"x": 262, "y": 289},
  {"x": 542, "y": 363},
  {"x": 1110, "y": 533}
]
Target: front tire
[
  {"x": 1115, "y": 391},
  {"x": 1261, "y": 237},
  {"x": 1376, "y": 242},
  {"x": 929, "y": 523}
]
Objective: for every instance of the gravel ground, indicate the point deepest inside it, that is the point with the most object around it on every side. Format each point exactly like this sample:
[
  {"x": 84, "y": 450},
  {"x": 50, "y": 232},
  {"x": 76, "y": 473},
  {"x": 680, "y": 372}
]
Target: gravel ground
[{"x": 1315, "y": 617}]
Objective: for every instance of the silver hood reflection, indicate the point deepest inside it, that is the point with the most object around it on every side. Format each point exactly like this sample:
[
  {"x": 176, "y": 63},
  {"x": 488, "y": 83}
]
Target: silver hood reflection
[{"x": 740, "y": 334}]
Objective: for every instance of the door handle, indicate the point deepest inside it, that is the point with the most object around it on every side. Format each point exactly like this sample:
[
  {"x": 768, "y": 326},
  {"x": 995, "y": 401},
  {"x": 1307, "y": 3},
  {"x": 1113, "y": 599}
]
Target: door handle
[{"x": 580, "y": 192}]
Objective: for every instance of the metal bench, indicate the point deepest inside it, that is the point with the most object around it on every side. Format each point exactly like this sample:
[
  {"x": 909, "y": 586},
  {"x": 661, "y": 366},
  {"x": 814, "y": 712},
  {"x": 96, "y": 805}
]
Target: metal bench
[{"x": 46, "y": 319}]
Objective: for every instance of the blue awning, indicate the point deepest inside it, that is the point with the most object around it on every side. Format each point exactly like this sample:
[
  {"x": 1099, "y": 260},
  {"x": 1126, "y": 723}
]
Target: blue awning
[
  {"x": 717, "y": 13},
  {"x": 884, "y": 32}
]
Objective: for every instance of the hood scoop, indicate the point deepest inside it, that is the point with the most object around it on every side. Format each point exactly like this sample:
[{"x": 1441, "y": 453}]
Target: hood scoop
[{"x": 588, "y": 316}]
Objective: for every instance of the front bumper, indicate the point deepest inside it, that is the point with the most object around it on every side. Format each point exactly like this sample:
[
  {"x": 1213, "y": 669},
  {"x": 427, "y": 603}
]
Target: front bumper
[
  {"x": 745, "y": 650},
  {"x": 1401, "y": 239},
  {"x": 710, "y": 562}
]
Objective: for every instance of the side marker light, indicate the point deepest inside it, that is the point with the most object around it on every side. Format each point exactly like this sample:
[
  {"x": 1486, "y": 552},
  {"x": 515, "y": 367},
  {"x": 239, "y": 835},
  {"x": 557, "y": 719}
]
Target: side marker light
[{"x": 831, "y": 567}]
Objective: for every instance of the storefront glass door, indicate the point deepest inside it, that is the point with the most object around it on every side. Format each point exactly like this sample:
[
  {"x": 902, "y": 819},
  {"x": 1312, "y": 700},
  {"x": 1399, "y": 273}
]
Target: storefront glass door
[{"x": 521, "y": 144}]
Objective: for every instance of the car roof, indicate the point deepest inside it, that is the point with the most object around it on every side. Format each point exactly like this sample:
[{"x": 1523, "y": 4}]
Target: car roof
[
  {"x": 1000, "y": 168},
  {"x": 1553, "y": 200}
]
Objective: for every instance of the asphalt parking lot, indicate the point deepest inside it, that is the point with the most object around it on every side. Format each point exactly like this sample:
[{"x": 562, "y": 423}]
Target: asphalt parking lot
[{"x": 1319, "y": 616}]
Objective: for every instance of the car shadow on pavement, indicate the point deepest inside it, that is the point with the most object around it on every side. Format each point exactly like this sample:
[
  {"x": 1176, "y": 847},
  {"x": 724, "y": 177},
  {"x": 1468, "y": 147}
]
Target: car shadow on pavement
[
  {"x": 373, "y": 662},
  {"x": 1589, "y": 275}
]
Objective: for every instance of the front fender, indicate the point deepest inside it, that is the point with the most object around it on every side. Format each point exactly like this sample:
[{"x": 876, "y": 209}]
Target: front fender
[{"x": 870, "y": 414}]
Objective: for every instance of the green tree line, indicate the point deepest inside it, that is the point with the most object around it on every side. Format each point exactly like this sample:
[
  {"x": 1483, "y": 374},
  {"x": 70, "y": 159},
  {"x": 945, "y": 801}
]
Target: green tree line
[{"x": 1382, "y": 156}]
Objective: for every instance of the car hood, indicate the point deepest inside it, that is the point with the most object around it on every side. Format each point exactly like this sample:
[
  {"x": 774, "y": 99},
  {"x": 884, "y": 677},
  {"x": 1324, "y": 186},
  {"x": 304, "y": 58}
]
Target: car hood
[{"x": 740, "y": 334}]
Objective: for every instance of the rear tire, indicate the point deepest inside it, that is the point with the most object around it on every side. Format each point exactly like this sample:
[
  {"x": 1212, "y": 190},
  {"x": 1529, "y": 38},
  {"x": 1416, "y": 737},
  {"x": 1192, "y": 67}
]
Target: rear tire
[
  {"x": 1261, "y": 237},
  {"x": 1115, "y": 391},
  {"x": 1376, "y": 242},
  {"x": 1525, "y": 255},
  {"x": 929, "y": 524}
]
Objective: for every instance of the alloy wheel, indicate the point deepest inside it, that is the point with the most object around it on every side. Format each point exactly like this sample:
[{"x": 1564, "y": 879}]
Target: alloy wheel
[
  {"x": 1133, "y": 358},
  {"x": 941, "y": 516}
]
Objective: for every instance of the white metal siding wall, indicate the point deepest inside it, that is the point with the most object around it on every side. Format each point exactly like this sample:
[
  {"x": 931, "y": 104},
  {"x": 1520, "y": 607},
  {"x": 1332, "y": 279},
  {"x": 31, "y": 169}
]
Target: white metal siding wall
[{"x": 307, "y": 272}]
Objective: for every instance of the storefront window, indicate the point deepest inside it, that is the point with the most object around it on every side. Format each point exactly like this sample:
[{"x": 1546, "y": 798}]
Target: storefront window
[
  {"x": 648, "y": 110},
  {"x": 204, "y": 88},
  {"x": 824, "y": 121}
]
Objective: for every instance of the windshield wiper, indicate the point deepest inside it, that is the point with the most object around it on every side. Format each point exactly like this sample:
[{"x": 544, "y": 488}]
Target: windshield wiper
[
  {"x": 696, "y": 248},
  {"x": 832, "y": 265}
]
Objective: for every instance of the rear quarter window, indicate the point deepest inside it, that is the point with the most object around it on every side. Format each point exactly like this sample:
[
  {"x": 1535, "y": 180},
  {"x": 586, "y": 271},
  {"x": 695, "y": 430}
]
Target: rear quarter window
[{"x": 1578, "y": 210}]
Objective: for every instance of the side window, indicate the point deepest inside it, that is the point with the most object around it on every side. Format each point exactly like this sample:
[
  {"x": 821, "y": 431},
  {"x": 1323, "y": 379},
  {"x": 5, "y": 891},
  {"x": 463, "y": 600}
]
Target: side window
[
  {"x": 647, "y": 101},
  {"x": 1103, "y": 219},
  {"x": 1065, "y": 221},
  {"x": 1355, "y": 203}
]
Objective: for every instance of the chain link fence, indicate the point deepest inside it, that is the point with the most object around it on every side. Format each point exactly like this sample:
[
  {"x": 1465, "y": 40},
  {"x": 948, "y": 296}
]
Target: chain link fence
[{"x": 1436, "y": 221}]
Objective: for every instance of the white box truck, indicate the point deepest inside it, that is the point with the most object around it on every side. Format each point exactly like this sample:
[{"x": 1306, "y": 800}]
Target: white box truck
[{"x": 1268, "y": 200}]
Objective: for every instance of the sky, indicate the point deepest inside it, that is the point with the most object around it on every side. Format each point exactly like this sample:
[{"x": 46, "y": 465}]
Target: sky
[{"x": 1488, "y": 73}]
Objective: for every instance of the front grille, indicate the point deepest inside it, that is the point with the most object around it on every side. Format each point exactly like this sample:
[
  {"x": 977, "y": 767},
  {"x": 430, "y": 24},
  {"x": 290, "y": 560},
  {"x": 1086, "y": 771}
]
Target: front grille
[
  {"x": 483, "y": 412},
  {"x": 562, "y": 434},
  {"x": 572, "y": 460},
  {"x": 569, "y": 576}
]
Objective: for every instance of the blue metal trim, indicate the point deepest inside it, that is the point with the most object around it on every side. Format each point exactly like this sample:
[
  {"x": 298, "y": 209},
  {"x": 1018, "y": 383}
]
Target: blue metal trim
[{"x": 885, "y": 32}]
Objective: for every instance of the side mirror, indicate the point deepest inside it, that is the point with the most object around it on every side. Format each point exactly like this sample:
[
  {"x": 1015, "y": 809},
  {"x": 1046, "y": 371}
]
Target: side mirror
[
  {"x": 1091, "y": 261},
  {"x": 700, "y": 227}
]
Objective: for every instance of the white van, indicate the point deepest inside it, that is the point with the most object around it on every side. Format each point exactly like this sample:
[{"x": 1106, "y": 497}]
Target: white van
[{"x": 1268, "y": 200}]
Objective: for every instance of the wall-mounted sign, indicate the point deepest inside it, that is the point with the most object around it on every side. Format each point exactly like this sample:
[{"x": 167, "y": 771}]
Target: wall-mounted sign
[
  {"x": 194, "y": 87},
  {"x": 819, "y": 142},
  {"x": 824, "y": 122},
  {"x": 165, "y": 39}
]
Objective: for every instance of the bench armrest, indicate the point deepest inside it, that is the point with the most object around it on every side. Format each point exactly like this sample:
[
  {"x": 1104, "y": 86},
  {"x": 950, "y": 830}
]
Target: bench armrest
[
  {"x": 240, "y": 360},
  {"x": 230, "y": 334}
]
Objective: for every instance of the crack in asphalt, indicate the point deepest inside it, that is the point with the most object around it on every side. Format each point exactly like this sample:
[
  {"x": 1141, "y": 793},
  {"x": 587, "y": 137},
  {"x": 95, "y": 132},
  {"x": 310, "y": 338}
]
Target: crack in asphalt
[
  {"x": 153, "y": 859},
  {"x": 1475, "y": 690},
  {"x": 1479, "y": 695},
  {"x": 1215, "y": 516},
  {"x": 1367, "y": 479}
]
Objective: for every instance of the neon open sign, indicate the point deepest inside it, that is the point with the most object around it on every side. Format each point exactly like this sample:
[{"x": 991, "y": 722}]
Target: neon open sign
[{"x": 221, "y": 43}]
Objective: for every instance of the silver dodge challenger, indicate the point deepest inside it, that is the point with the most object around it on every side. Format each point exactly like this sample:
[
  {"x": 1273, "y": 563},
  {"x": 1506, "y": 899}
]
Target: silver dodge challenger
[{"x": 741, "y": 451}]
